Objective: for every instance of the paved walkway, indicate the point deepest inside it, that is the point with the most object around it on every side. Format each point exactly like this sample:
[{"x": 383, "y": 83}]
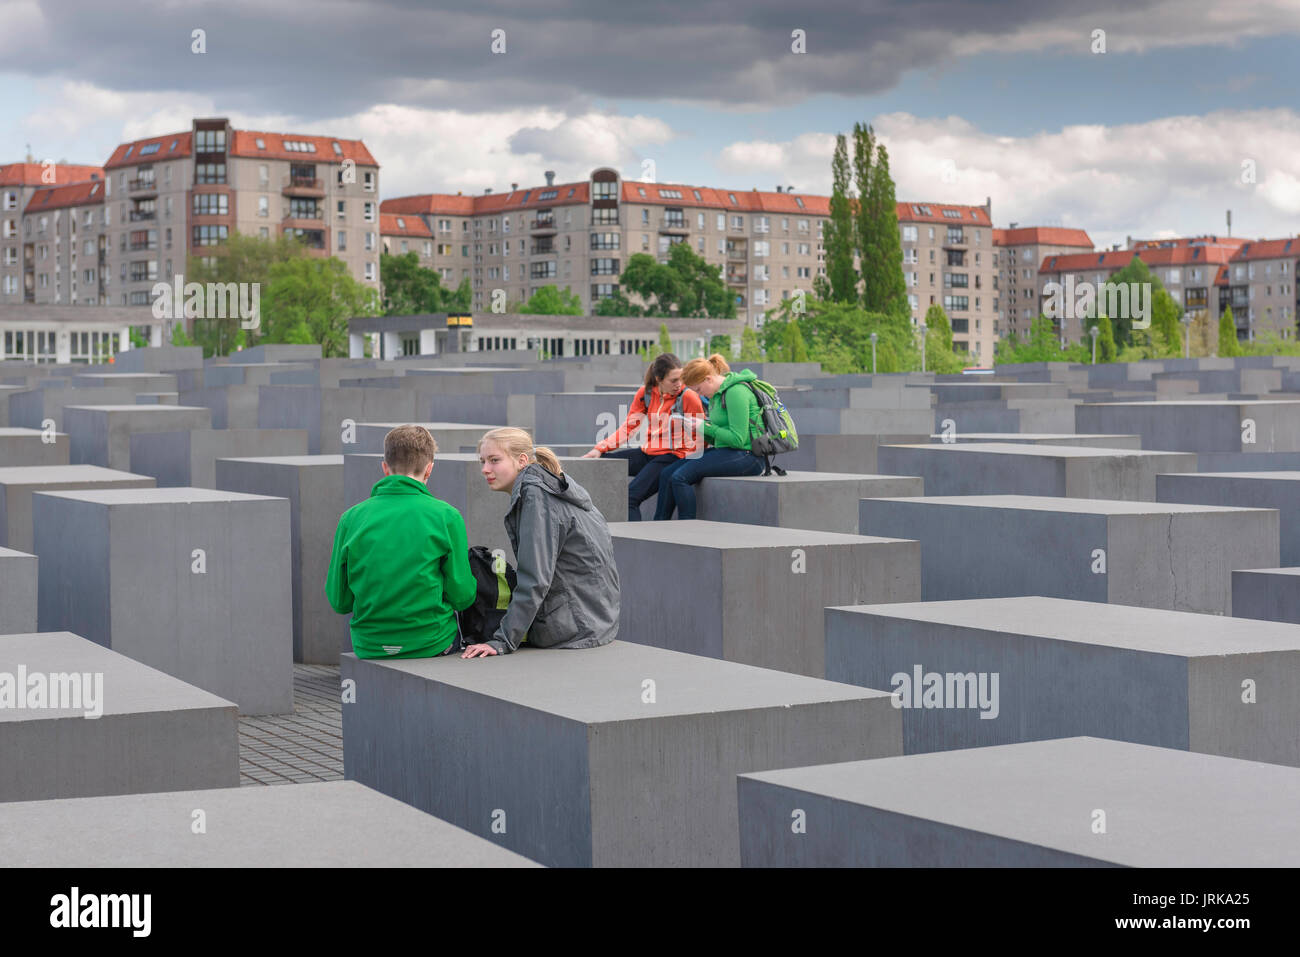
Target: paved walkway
[{"x": 300, "y": 747}]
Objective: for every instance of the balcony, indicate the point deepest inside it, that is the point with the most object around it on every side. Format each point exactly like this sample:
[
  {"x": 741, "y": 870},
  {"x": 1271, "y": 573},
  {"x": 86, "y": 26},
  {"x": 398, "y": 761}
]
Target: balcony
[
  {"x": 137, "y": 247},
  {"x": 142, "y": 216},
  {"x": 303, "y": 219},
  {"x": 142, "y": 187},
  {"x": 737, "y": 278},
  {"x": 542, "y": 249},
  {"x": 670, "y": 224},
  {"x": 544, "y": 224},
  {"x": 307, "y": 187},
  {"x": 737, "y": 252}
]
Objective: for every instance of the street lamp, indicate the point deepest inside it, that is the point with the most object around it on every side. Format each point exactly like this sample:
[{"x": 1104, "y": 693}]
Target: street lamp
[
  {"x": 708, "y": 341},
  {"x": 1187, "y": 336},
  {"x": 1094, "y": 332},
  {"x": 874, "y": 337},
  {"x": 923, "y": 347}
]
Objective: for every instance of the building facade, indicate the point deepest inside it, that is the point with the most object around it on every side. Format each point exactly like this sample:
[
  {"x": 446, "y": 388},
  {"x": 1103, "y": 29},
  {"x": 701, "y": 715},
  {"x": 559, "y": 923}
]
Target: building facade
[
  {"x": 19, "y": 182},
  {"x": 581, "y": 235},
  {"x": 948, "y": 260},
  {"x": 170, "y": 197},
  {"x": 1019, "y": 252}
]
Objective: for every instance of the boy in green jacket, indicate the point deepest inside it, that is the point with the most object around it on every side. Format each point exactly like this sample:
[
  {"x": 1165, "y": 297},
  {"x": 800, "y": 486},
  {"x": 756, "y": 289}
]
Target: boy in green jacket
[{"x": 401, "y": 558}]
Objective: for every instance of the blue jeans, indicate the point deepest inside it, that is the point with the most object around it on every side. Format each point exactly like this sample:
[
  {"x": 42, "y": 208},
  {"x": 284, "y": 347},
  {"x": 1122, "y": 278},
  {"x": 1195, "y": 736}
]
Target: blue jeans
[
  {"x": 645, "y": 470},
  {"x": 677, "y": 481}
]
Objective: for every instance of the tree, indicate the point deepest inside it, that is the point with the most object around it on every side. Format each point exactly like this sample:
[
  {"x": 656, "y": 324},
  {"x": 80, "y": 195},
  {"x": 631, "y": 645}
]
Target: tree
[
  {"x": 550, "y": 300},
  {"x": 311, "y": 300},
  {"x": 939, "y": 356},
  {"x": 616, "y": 305},
  {"x": 685, "y": 286},
  {"x": 460, "y": 300},
  {"x": 1105, "y": 340},
  {"x": 879, "y": 244},
  {"x": 238, "y": 259},
  {"x": 838, "y": 236},
  {"x": 1164, "y": 316},
  {"x": 795, "y": 348},
  {"x": 665, "y": 343},
  {"x": 1228, "y": 344},
  {"x": 749, "y": 350},
  {"x": 409, "y": 288},
  {"x": 1043, "y": 345}
]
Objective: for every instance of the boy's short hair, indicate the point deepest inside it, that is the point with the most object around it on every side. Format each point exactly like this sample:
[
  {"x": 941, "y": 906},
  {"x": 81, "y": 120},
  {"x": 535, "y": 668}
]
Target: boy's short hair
[{"x": 408, "y": 449}]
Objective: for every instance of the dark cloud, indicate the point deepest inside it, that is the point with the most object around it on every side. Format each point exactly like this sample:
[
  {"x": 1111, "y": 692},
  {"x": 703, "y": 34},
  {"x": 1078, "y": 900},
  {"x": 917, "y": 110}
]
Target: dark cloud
[{"x": 317, "y": 59}]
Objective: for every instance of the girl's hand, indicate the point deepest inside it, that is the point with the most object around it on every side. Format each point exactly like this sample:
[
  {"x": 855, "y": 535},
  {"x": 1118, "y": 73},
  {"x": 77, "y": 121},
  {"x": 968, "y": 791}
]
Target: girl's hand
[
  {"x": 479, "y": 651},
  {"x": 593, "y": 454}
]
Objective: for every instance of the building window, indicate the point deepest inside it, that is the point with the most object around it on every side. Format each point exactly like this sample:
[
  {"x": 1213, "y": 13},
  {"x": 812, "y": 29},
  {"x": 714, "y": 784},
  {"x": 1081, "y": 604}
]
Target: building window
[
  {"x": 208, "y": 235},
  {"x": 370, "y": 272},
  {"x": 211, "y": 204}
]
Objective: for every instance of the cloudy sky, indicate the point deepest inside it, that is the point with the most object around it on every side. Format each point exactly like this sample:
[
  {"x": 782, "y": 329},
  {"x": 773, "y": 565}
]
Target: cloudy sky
[{"x": 1189, "y": 111}]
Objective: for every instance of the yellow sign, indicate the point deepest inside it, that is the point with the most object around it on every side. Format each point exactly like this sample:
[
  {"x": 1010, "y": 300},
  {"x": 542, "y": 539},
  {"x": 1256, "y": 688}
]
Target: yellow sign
[{"x": 460, "y": 319}]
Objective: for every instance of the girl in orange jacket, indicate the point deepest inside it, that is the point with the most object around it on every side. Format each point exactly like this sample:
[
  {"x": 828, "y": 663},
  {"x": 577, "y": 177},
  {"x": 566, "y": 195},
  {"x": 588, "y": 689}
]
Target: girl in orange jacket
[{"x": 666, "y": 442}]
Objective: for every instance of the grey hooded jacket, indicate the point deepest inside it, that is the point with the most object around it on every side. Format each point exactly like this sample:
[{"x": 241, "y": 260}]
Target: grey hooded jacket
[{"x": 567, "y": 591}]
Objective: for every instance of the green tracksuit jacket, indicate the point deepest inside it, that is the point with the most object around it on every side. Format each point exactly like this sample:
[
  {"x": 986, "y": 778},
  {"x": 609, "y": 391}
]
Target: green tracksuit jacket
[{"x": 401, "y": 566}]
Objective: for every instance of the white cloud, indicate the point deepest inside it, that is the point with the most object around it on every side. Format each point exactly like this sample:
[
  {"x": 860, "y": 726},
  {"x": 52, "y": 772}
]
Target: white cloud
[{"x": 1171, "y": 176}]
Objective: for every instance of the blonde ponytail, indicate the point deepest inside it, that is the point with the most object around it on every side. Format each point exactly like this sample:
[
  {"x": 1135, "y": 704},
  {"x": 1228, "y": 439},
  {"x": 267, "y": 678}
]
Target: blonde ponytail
[{"x": 516, "y": 442}]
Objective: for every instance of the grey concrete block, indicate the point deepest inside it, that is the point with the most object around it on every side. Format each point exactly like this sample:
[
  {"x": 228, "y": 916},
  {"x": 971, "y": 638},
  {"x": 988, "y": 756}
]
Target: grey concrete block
[
  {"x": 1033, "y": 438},
  {"x": 157, "y": 398},
  {"x": 1155, "y": 555},
  {"x": 949, "y": 393},
  {"x": 101, "y": 434},
  {"x": 232, "y": 407},
  {"x": 854, "y": 454},
  {"x": 579, "y": 417},
  {"x": 875, "y": 397},
  {"x": 621, "y": 755},
  {"x": 1002, "y": 670},
  {"x": 136, "y": 382},
  {"x": 189, "y": 458},
  {"x": 997, "y": 468},
  {"x": 1006, "y": 415},
  {"x": 323, "y": 412},
  {"x": 457, "y": 480},
  {"x": 487, "y": 381},
  {"x": 322, "y": 824},
  {"x": 1248, "y": 462},
  {"x": 17, "y": 592},
  {"x": 1271, "y": 594},
  {"x": 1199, "y": 426},
  {"x": 782, "y": 373},
  {"x": 33, "y": 407},
  {"x": 516, "y": 410},
  {"x": 27, "y": 447},
  {"x": 814, "y": 500},
  {"x": 450, "y": 436},
  {"x": 159, "y": 359},
  {"x": 275, "y": 353},
  {"x": 313, "y": 487},
  {"x": 864, "y": 421},
  {"x": 1279, "y": 490},
  {"x": 18, "y": 484},
  {"x": 193, "y": 582},
  {"x": 155, "y": 733},
  {"x": 748, "y": 594},
  {"x": 1025, "y": 805}
]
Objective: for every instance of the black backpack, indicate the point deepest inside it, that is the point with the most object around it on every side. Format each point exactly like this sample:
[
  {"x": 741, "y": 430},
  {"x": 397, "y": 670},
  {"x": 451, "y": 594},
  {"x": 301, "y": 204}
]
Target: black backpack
[{"x": 495, "y": 581}]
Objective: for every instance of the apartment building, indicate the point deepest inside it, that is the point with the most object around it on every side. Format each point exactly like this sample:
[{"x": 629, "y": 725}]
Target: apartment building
[
  {"x": 402, "y": 234},
  {"x": 1020, "y": 250},
  {"x": 949, "y": 260},
  {"x": 169, "y": 197},
  {"x": 580, "y": 235},
  {"x": 64, "y": 243},
  {"x": 1188, "y": 268},
  {"x": 19, "y": 182},
  {"x": 1258, "y": 282}
]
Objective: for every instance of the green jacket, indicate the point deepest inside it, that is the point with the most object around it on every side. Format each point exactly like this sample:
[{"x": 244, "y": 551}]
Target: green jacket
[
  {"x": 729, "y": 428},
  {"x": 401, "y": 566}
]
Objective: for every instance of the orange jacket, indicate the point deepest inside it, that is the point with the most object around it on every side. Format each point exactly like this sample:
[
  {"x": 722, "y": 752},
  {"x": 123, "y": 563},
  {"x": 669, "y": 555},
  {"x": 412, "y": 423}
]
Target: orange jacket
[{"x": 660, "y": 437}]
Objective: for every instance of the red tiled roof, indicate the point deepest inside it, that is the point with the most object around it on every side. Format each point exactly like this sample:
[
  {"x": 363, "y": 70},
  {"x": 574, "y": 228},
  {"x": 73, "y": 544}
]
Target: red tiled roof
[
  {"x": 753, "y": 201},
  {"x": 969, "y": 215},
  {"x": 1268, "y": 249},
  {"x": 29, "y": 174},
  {"x": 1042, "y": 236},
  {"x": 128, "y": 154},
  {"x": 63, "y": 197},
  {"x": 245, "y": 144},
  {"x": 1085, "y": 262},
  {"x": 1232, "y": 241},
  {"x": 1222, "y": 278},
  {"x": 1184, "y": 255},
  {"x": 403, "y": 225}
]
